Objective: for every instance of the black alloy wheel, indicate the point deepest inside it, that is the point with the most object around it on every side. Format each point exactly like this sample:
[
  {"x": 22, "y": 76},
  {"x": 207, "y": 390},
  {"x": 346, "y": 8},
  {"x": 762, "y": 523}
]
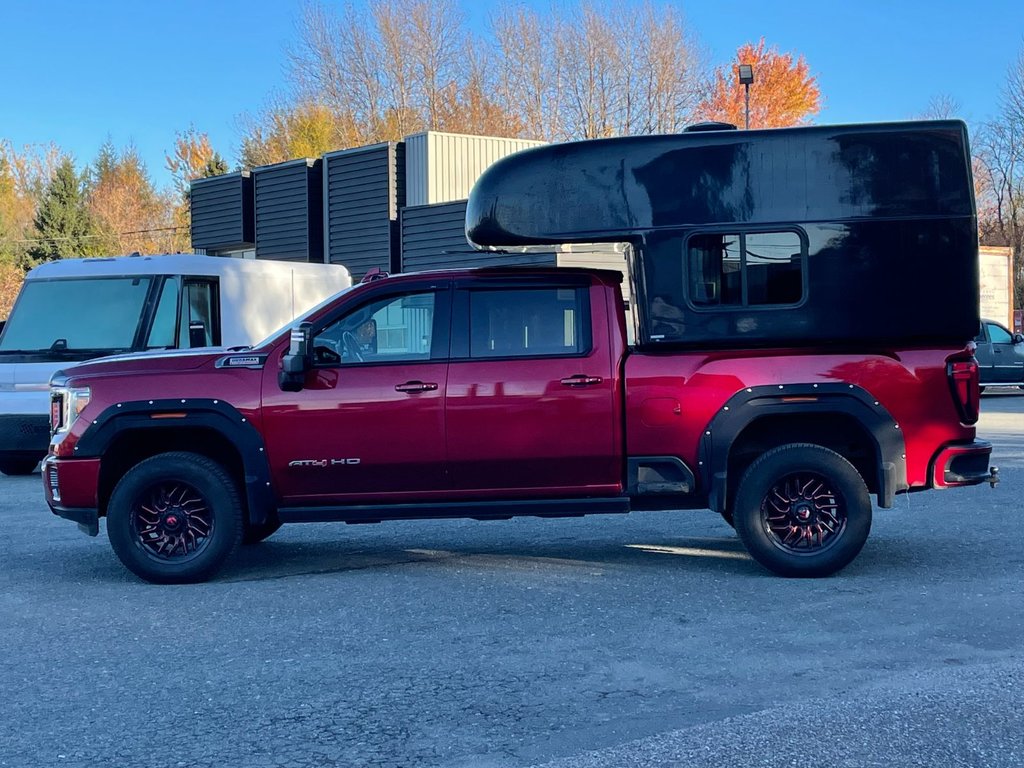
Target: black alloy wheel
[
  {"x": 802, "y": 510},
  {"x": 172, "y": 521},
  {"x": 175, "y": 518}
]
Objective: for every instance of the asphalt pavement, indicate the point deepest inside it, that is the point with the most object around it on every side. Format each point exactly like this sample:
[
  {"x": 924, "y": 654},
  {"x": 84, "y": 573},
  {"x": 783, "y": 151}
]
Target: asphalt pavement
[{"x": 648, "y": 639}]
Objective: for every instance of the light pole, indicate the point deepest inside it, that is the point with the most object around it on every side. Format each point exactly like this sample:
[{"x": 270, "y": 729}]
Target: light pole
[{"x": 747, "y": 79}]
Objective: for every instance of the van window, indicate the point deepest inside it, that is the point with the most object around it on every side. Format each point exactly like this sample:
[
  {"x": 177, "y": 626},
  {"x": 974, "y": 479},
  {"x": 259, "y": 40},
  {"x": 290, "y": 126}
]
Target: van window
[
  {"x": 527, "y": 322},
  {"x": 100, "y": 314},
  {"x": 199, "y": 305},
  {"x": 165, "y": 320}
]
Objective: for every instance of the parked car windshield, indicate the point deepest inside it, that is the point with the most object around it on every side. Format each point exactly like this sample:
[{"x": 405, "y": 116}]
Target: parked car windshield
[{"x": 100, "y": 314}]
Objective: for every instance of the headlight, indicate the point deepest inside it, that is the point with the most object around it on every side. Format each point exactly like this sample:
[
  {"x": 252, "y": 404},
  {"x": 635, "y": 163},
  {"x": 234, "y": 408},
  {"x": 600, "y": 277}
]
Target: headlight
[{"x": 65, "y": 405}]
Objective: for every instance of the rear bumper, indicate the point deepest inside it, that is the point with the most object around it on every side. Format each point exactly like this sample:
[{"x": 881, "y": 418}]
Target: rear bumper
[
  {"x": 962, "y": 464},
  {"x": 70, "y": 487}
]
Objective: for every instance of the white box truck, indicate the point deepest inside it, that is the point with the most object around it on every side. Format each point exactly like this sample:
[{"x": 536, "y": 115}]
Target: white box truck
[{"x": 79, "y": 309}]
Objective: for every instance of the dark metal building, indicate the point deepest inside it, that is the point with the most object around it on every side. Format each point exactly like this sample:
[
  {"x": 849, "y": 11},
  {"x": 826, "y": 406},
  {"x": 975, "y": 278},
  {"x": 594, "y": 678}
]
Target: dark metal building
[
  {"x": 364, "y": 189},
  {"x": 222, "y": 213},
  {"x": 289, "y": 210}
]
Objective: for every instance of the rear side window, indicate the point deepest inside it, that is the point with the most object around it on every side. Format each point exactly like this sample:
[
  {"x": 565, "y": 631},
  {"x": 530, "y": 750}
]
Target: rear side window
[
  {"x": 528, "y": 322},
  {"x": 745, "y": 269}
]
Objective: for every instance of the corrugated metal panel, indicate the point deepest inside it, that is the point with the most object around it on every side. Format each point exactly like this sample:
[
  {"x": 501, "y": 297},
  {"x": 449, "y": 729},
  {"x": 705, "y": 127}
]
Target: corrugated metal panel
[
  {"x": 289, "y": 211},
  {"x": 596, "y": 256},
  {"x": 434, "y": 237},
  {"x": 222, "y": 211},
  {"x": 442, "y": 167},
  {"x": 361, "y": 204}
]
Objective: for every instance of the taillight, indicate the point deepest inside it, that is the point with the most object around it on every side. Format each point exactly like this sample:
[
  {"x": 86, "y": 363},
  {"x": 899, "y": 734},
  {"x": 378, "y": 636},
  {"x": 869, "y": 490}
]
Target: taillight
[{"x": 963, "y": 381}]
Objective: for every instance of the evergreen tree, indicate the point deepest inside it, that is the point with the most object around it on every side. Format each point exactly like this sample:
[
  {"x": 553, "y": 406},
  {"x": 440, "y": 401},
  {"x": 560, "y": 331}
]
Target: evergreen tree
[
  {"x": 62, "y": 225},
  {"x": 214, "y": 166}
]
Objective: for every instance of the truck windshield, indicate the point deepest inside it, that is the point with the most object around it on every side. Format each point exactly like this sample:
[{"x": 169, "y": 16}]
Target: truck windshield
[{"x": 100, "y": 314}]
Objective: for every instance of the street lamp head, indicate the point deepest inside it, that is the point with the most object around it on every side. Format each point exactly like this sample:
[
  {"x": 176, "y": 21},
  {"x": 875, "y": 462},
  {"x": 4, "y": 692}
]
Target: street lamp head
[{"x": 746, "y": 74}]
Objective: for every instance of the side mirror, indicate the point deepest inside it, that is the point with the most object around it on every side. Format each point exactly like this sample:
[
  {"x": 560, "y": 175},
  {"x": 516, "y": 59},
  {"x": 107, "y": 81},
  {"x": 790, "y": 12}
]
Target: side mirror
[
  {"x": 1018, "y": 338},
  {"x": 295, "y": 362}
]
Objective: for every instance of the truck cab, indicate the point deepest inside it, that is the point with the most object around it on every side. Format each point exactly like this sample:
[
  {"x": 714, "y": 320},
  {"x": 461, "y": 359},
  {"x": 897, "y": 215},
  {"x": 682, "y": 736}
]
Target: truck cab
[{"x": 79, "y": 309}]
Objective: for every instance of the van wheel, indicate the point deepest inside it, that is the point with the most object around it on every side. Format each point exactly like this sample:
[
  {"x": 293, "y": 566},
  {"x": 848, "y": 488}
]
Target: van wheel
[
  {"x": 255, "y": 533},
  {"x": 174, "y": 518},
  {"x": 802, "y": 510},
  {"x": 15, "y": 467}
]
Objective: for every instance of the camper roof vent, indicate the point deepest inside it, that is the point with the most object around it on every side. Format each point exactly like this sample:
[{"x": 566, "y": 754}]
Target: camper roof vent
[{"x": 710, "y": 125}]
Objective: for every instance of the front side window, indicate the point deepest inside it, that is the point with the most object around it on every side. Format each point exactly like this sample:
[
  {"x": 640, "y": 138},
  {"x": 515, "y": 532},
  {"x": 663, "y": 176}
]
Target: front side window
[
  {"x": 165, "y": 319},
  {"x": 101, "y": 314},
  {"x": 527, "y": 322},
  {"x": 745, "y": 269},
  {"x": 998, "y": 334},
  {"x": 391, "y": 330}
]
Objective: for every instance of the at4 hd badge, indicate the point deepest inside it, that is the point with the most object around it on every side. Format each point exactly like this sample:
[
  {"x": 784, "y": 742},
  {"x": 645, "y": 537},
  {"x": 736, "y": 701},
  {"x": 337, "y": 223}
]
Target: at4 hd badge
[{"x": 319, "y": 463}]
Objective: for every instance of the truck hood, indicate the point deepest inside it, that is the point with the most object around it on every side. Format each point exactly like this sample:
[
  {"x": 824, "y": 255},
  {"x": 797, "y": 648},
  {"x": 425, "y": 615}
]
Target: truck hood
[{"x": 150, "y": 362}]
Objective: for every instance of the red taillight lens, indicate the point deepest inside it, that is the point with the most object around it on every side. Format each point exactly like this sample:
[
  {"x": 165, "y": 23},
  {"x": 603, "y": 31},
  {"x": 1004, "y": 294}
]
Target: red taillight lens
[{"x": 963, "y": 381}]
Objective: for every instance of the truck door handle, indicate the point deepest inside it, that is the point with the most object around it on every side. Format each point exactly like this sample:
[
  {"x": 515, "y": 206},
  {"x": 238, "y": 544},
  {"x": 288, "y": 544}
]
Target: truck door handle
[
  {"x": 416, "y": 386},
  {"x": 581, "y": 380}
]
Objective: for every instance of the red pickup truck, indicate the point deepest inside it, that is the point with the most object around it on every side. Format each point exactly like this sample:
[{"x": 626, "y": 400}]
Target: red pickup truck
[{"x": 500, "y": 392}]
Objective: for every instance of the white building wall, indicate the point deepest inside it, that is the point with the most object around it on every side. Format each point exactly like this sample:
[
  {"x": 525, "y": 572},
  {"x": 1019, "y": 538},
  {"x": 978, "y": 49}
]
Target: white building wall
[{"x": 442, "y": 167}]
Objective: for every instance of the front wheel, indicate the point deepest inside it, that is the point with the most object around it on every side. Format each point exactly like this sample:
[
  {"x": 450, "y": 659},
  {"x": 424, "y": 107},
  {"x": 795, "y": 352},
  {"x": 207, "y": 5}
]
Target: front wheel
[
  {"x": 802, "y": 510},
  {"x": 174, "y": 518}
]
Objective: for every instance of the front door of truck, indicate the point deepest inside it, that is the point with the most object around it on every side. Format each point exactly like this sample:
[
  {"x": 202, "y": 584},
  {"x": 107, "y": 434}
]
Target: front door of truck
[
  {"x": 369, "y": 422},
  {"x": 531, "y": 388}
]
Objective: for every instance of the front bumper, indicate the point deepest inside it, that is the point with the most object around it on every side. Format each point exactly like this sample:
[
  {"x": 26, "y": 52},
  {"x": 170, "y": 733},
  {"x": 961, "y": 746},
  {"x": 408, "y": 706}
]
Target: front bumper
[
  {"x": 70, "y": 486},
  {"x": 24, "y": 434},
  {"x": 962, "y": 464}
]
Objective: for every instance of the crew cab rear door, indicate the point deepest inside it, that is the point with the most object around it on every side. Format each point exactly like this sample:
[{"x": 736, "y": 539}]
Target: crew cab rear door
[
  {"x": 530, "y": 409},
  {"x": 368, "y": 424}
]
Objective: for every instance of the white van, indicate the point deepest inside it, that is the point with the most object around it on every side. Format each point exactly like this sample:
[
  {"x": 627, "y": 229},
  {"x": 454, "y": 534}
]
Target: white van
[{"x": 79, "y": 309}]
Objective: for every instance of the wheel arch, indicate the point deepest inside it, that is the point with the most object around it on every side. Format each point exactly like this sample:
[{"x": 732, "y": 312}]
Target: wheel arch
[
  {"x": 130, "y": 432},
  {"x": 844, "y": 418}
]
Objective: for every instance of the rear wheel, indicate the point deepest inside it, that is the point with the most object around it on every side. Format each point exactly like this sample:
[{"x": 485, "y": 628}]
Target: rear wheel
[
  {"x": 174, "y": 518},
  {"x": 802, "y": 510}
]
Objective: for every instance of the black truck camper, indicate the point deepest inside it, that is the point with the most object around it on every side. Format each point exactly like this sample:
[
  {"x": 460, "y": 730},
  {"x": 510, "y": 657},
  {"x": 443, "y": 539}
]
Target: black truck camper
[{"x": 822, "y": 234}]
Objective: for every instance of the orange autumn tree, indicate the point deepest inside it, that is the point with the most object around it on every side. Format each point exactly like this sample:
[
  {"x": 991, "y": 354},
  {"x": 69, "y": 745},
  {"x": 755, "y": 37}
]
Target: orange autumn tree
[{"x": 784, "y": 91}]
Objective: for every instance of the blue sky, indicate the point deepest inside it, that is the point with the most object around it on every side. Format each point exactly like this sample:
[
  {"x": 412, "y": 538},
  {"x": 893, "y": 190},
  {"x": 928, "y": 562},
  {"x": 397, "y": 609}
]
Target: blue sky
[{"x": 77, "y": 72}]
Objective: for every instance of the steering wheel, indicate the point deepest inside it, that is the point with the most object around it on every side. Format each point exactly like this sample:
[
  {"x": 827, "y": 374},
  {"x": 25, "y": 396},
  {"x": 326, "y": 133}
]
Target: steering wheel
[{"x": 351, "y": 346}]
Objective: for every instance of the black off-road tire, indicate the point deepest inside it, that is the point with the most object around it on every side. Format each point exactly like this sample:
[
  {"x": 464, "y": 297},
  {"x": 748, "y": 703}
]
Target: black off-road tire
[
  {"x": 254, "y": 534},
  {"x": 162, "y": 507},
  {"x": 802, "y": 510}
]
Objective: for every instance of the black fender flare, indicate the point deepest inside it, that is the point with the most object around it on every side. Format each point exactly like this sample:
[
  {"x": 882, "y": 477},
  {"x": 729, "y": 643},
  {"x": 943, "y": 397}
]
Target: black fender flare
[
  {"x": 752, "y": 403},
  {"x": 217, "y": 415}
]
